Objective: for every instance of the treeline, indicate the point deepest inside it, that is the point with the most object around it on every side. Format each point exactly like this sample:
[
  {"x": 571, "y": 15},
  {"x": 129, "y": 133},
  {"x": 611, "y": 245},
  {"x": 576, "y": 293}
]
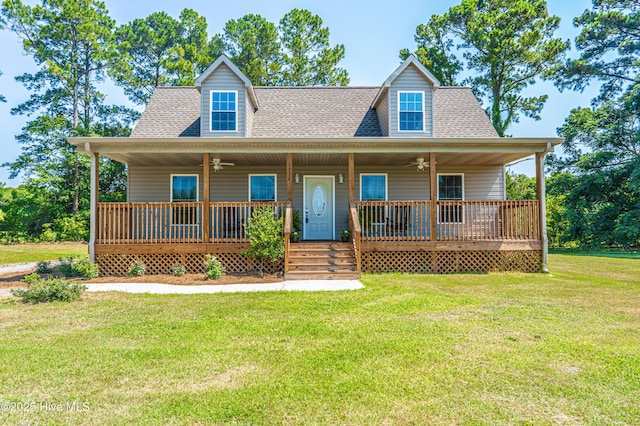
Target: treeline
[
  {"x": 76, "y": 46},
  {"x": 504, "y": 46}
]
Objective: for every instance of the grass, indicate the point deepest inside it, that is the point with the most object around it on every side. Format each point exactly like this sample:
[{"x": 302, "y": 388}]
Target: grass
[
  {"x": 509, "y": 348},
  {"x": 24, "y": 253}
]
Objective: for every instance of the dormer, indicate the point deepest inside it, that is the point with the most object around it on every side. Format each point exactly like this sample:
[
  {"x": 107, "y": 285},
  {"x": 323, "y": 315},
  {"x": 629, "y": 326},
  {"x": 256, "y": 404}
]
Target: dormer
[
  {"x": 404, "y": 104},
  {"x": 227, "y": 100}
]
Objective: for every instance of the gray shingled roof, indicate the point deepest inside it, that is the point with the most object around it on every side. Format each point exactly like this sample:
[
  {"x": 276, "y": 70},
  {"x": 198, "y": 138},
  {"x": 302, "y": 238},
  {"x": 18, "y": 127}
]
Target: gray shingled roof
[
  {"x": 171, "y": 112},
  {"x": 312, "y": 112},
  {"x": 457, "y": 113},
  {"x": 315, "y": 112}
]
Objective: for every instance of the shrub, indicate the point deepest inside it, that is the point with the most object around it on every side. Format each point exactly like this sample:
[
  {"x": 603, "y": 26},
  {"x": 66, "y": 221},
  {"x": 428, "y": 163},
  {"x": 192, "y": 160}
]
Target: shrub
[
  {"x": 73, "y": 228},
  {"x": 48, "y": 290},
  {"x": 48, "y": 235},
  {"x": 178, "y": 270},
  {"x": 137, "y": 268},
  {"x": 265, "y": 237},
  {"x": 213, "y": 268},
  {"x": 44, "y": 267},
  {"x": 72, "y": 267},
  {"x": 66, "y": 266},
  {"x": 85, "y": 268}
]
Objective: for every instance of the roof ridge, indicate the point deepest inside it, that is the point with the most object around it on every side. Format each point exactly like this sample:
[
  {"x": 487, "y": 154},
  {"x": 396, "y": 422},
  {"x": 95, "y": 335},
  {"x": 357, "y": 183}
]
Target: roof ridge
[
  {"x": 453, "y": 87},
  {"x": 316, "y": 87}
]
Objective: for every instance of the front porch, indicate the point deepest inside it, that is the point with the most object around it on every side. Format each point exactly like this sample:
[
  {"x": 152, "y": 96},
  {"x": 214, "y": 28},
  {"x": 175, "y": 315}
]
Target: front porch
[
  {"x": 479, "y": 232},
  {"x": 386, "y": 235}
]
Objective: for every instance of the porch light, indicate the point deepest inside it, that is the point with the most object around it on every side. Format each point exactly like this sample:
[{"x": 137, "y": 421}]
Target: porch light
[
  {"x": 296, "y": 178},
  {"x": 340, "y": 178}
]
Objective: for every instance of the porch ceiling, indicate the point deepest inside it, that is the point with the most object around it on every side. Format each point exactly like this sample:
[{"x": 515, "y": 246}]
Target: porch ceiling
[{"x": 315, "y": 152}]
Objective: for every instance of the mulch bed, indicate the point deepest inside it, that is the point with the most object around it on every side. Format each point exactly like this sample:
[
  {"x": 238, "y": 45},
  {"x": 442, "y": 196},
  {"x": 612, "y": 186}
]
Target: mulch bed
[{"x": 13, "y": 279}]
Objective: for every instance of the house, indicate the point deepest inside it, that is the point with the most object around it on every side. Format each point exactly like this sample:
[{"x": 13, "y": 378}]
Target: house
[{"x": 413, "y": 169}]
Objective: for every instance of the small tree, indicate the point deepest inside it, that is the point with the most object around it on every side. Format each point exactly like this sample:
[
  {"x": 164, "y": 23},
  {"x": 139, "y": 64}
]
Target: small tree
[{"x": 265, "y": 237}]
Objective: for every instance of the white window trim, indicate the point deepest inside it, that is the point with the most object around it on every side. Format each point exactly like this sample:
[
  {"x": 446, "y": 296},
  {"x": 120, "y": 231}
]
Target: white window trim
[
  {"x": 438, "y": 195},
  {"x": 386, "y": 189},
  {"x": 197, "y": 197},
  {"x": 386, "y": 184},
  {"x": 423, "y": 111},
  {"x": 211, "y": 111},
  {"x": 275, "y": 186},
  {"x": 185, "y": 174}
]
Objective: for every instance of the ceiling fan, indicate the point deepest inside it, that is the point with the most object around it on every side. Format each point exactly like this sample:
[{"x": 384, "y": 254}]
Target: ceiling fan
[
  {"x": 217, "y": 164},
  {"x": 420, "y": 163}
]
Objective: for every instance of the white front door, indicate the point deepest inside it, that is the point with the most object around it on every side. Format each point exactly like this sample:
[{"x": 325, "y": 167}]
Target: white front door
[{"x": 318, "y": 212}]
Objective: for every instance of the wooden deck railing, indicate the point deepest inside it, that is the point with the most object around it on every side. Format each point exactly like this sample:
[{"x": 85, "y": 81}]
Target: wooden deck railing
[
  {"x": 175, "y": 222},
  {"x": 456, "y": 220},
  {"x": 178, "y": 222},
  {"x": 229, "y": 217},
  {"x": 287, "y": 228},
  {"x": 356, "y": 233},
  {"x": 394, "y": 220}
]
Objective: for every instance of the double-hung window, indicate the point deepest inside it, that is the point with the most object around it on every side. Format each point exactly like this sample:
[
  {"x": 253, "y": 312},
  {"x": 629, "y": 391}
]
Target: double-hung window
[
  {"x": 224, "y": 111},
  {"x": 411, "y": 111},
  {"x": 451, "y": 188},
  {"x": 262, "y": 187},
  {"x": 184, "y": 188},
  {"x": 373, "y": 187}
]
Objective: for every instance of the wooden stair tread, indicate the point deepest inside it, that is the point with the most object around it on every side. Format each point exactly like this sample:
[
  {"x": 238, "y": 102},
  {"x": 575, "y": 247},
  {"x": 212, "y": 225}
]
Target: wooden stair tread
[{"x": 322, "y": 260}]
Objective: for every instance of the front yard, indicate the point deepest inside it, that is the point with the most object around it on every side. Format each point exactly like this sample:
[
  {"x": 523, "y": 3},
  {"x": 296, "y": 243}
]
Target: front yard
[{"x": 408, "y": 349}]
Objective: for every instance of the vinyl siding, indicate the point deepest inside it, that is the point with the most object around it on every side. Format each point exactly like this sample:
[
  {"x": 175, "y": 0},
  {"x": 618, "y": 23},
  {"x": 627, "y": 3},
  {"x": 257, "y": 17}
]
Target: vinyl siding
[
  {"x": 382, "y": 111},
  {"x": 222, "y": 79},
  {"x": 411, "y": 79},
  {"x": 154, "y": 183},
  {"x": 232, "y": 184}
]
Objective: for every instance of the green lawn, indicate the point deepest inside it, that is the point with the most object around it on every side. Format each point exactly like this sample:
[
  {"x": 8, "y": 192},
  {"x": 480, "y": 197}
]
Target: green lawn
[
  {"x": 562, "y": 348},
  {"x": 24, "y": 253}
]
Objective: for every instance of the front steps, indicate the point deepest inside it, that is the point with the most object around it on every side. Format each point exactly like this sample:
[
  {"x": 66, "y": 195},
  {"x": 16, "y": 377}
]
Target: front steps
[{"x": 320, "y": 260}]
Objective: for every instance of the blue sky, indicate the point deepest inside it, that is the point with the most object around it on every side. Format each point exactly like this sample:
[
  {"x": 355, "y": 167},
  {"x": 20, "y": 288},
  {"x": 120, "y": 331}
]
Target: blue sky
[{"x": 372, "y": 31}]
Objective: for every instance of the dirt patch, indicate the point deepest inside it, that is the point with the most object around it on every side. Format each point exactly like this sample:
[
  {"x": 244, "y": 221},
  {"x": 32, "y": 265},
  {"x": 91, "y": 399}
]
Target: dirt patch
[{"x": 13, "y": 279}]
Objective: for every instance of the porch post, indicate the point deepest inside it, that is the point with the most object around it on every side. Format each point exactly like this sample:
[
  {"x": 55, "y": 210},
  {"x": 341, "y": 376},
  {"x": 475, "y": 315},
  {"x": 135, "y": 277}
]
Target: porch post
[
  {"x": 289, "y": 177},
  {"x": 351, "y": 177},
  {"x": 542, "y": 206},
  {"x": 206, "y": 199},
  {"x": 433, "y": 187},
  {"x": 95, "y": 188}
]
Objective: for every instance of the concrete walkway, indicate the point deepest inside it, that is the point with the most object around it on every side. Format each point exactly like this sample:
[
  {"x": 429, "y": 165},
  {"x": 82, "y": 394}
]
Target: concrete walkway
[
  {"x": 22, "y": 267},
  {"x": 306, "y": 285}
]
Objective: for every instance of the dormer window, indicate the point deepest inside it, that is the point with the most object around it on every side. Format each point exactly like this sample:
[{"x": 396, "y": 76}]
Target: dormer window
[
  {"x": 224, "y": 111},
  {"x": 411, "y": 111}
]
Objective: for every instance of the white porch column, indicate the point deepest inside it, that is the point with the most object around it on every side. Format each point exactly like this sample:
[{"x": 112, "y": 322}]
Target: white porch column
[
  {"x": 542, "y": 206},
  {"x": 95, "y": 188}
]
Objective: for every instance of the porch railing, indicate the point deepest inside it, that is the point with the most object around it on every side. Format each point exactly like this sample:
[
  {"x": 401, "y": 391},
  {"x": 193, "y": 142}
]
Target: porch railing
[
  {"x": 456, "y": 220},
  {"x": 178, "y": 222},
  {"x": 175, "y": 222}
]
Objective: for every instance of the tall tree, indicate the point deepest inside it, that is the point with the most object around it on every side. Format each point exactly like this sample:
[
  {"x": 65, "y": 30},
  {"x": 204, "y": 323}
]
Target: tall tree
[
  {"x": 602, "y": 146},
  {"x": 609, "y": 45},
  {"x": 308, "y": 58},
  {"x": 71, "y": 42},
  {"x": 507, "y": 43},
  {"x": 160, "y": 50},
  {"x": 435, "y": 50},
  {"x": 252, "y": 44}
]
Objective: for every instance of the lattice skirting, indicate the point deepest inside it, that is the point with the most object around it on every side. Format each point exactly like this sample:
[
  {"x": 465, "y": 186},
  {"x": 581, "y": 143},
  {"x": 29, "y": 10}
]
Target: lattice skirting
[
  {"x": 447, "y": 262},
  {"x": 161, "y": 263}
]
